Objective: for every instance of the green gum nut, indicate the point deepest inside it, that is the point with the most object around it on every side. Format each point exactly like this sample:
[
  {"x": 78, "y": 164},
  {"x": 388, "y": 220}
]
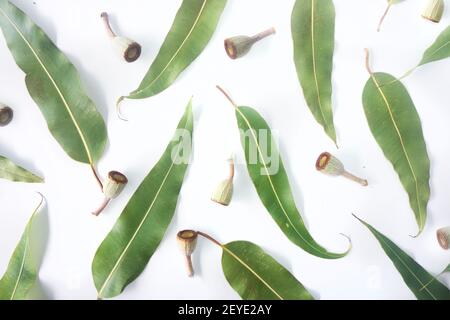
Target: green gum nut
[
  {"x": 434, "y": 10},
  {"x": 223, "y": 192},
  {"x": 115, "y": 184}
]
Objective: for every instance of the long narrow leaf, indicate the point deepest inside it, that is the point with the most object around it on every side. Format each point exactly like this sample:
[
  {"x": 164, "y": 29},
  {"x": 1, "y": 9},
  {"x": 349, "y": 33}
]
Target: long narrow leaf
[
  {"x": 255, "y": 275},
  {"x": 396, "y": 126},
  {"x": 193, "y": 27},
  {"x": 272, "y": 183},
  {"x": 439, "y": 50},
  {"x": 126, "y": 250},
  {"x": 419, "y": 280},
  {"x": 312, "y": 26},
  {"x": 55, "y": 86},
  {"x": 13, "y": 172},
  {"x": 21, "y": 273}
]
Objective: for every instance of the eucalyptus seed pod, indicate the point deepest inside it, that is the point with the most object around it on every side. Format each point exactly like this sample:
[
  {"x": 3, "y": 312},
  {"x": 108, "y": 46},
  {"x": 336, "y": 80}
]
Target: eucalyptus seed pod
[
  {"x": 115, "y": 184},
  {"x": 332, "y": 166},
  {"x": 433, "y": 10},
  {"x": 130, "y": 50},
  {"x": 443, "y": 236},
  {"x": 224, "y": 191},
  {"x": 6, "y": 115},
  {"x": 239, "y": 46},
  {"x": 112, "y": 189},
  {"x": 187, "y": 242}
]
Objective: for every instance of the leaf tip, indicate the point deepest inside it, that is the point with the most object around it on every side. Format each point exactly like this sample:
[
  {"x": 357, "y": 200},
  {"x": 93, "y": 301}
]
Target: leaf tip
[
  {"x": 350, "y": 244},
  {"x": 118, "y": 109}
]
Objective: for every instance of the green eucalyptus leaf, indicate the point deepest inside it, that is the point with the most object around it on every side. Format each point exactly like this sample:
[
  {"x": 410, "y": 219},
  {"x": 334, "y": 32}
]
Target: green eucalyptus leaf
[
  {"x": 312, "y": 24},
  {"x": 446, "y": 269},
  {"x": 271, "y": 181},
  {"x": 126, "y": 250},
  {"x": 419, "y": 280},
  {"x": 255, "y": 275},
  {"x": 55, "y": 86},
  {"x": 21, "y": 273},
  {"x": 439, "y": 50},
  {"x": 396, "y": 126},
  {"x": 13, "y": 172},
  {"x": 193, "y": 27}
]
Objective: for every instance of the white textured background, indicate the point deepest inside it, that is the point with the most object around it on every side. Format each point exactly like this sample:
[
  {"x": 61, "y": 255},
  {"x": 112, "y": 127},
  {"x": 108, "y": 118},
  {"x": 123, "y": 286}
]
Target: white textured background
[{"x": 265, "y": 79}]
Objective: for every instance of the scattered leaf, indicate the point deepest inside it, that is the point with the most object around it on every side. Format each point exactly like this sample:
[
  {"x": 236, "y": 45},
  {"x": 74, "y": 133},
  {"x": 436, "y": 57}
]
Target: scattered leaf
[
  {"x": 396, "y": 126},
  {"x": 13, "y": 172},
  {"x": 21, "y": 273},
  {"x": 255, "y": 275},
  {"x": 414, "y": 275},
  {"x": 55, "y": 86},
  {"x": 439, "y": 50},
  {"x": 312, "y": 26},
  {"x": 193, "y": 27},
  {"x": 270, "y": 179},
  {"x": 126, "y": 250}
]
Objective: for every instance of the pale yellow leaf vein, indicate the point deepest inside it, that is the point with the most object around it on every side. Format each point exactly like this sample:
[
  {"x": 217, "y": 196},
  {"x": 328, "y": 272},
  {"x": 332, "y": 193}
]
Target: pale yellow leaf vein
[
  {"x": 177, "y": 51},
  {"x": 388, "y": 106},
  {"x": 407, "y": 267},
  {"x": 313, "y": 49},
  {"x": 273, "y": 187},
  {"x": 25, "y": 251},
  {"x": 122, "y": 255},
  {"x": 252, "y": 271}
]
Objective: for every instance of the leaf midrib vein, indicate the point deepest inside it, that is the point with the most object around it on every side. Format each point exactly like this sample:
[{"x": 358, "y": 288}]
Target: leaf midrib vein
[
  {"x": 252, "y": 271},
  {"x": 47, "y": 72},
  {"x": 403, "y": 147},
  {"x": 406, "y": 266},
  {"x": 313, "y": 49},
  {"x": 18, "y": 175},
  {"x": 22, "y": 266},
  {"x": 178, "y": 50},
  {"x": 273, "y": 187},
  {"x": 440, "y": 48},
  {"x": 122, "y": 255}
]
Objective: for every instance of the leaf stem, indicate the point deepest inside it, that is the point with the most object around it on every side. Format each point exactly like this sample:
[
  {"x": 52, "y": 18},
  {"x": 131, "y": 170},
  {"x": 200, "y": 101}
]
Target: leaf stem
[
  {"x": 384, "y": 16},
  {"x": 207, "y": 236},
  {"x": 369, "y": 70},
  {"x": 227, "y": 96},
  {"x": 105, "y": 18},
  {"x": 99, "y": 181},
  {"x": 406, "y": 74},
  {"x": 118, "y": 111}
]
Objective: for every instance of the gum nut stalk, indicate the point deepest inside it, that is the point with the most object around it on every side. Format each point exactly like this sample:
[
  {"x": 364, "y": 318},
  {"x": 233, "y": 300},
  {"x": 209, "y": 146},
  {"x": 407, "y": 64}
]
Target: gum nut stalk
[
  {"x": 433, "y": 10},
  {"x": 332, "y": 166},
  {"x": 6, "y": 115},
  {"x": 130, "y": 50},
  {"x": 187, "y": 242},
  {"x": 443, "y": 236},
  {"x": 239, "y": 46}
]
